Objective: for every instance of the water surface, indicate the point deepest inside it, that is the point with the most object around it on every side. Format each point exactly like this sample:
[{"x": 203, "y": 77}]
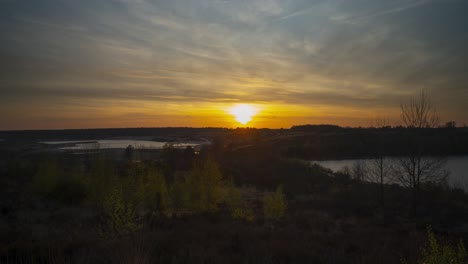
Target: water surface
[
  {"x": 456, "y": 165},
  {"x": 117, "y": 144}
]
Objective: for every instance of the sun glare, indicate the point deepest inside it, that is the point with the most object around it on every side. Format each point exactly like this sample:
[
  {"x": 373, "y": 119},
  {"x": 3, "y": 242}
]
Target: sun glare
[{"x": 243, "y": 113}]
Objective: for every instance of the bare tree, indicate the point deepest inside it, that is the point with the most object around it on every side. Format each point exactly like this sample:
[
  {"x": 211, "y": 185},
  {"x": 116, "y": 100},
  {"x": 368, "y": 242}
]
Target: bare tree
[
  {"x": 419, "y": 112},
  {"x": 415, "y": 170},
  {"x": 417, "y": 167},
  {"x": 379, "y": 171},
  {"x": 359, "y": 170},
  {"x": 380, "y": 166}
]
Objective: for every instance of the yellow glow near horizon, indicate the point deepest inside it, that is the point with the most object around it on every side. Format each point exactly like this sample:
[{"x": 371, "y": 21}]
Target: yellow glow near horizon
[
  {"x": 243, "y": 113},
  {"x": 186, "y": 114}
]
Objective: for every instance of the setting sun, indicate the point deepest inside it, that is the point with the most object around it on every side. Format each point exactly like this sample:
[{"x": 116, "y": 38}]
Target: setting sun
[{"x": 243, "y": 113}]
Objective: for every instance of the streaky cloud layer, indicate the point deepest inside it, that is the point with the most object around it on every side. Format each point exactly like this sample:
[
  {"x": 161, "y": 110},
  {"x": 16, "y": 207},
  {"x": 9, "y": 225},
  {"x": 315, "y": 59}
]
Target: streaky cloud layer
[{"x": 176, "y": 63}]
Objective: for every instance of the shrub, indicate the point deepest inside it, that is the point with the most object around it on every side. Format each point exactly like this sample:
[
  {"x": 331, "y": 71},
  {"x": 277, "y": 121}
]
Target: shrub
[
  {"x": 156, "y": 195},
  {"x": 46, "y": 178},
  {"x": 70, "y": 189},
  {"x": 208, "y": 190},
  {"x": 238, "y": 207},
  {"x": 435, "y": 253},
  {"x": 180, "y": 194},
  {"x": 134, "y": 182},
  {"x": 274, "y": 205},
  {"x": 52, "y": 182},
  {"x": 119, "y": 216},
  {"x": 100, "y": 179},
  {"x": 243, "y": 213},
  {"x": 199, "y": 190}
]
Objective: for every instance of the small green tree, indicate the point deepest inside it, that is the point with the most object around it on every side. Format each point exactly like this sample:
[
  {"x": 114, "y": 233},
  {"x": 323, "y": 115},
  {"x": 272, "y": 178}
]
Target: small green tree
[
  {"x": 156, "y": 194},
  {"x": 180, "y": 193},
  {"x": 274, "y": 205},
  {"x": 100, "y": 179},
  {"x": 70, "y": 189},
  {"x": 208, "y": 183},
  {"x": 145, "y": 187},
  {"x": 199, "y": 190},
  {"x": 435, "y": 253},
  {"x": 238, "y": 206},
  {"x": 47, "y": 177},
  {"x": 119, "y": 216}
]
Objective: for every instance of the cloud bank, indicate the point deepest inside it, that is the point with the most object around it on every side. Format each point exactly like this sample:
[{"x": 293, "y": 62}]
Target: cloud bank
[{"x": 116, "y": 58}]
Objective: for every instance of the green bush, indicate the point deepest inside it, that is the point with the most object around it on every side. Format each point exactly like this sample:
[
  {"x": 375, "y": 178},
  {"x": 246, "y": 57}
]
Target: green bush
[
  {"x": 100, "y": 179},
  {"x": 119, "y": 216},
  {"x": 156, "y": 195},
  {"x": 180, "y": 193},
  {"x": 237, "y": 205},
  {"x": 145, "y": 186},
  {"x": 274, "y": 205},
  {"x": 199, "y": 190},
  {"x": 52, "y": 182},
  {"x": 208, "y": 190},
  {"x": 70, "y": 190},
  {"x": 47, "y": 177},
  {"x": 434, "y": 253}
]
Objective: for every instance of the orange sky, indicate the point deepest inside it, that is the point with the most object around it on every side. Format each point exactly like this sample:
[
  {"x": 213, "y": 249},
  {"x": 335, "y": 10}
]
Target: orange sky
[
  {"x": 125, "y": 63},
  {"x": 193, "y": 114}
]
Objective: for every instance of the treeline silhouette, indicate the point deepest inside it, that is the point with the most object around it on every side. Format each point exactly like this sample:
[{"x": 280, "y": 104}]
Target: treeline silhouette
[
  {"x": 161, "y": 133},
  {"x": 237, "y": 200},
  {"x": 317, "y": 142},
  {"x": 332, "y": 142}
]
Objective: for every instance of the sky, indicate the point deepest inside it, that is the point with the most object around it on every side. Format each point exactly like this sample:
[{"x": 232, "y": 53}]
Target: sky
[{"x": 153, "y": 63}]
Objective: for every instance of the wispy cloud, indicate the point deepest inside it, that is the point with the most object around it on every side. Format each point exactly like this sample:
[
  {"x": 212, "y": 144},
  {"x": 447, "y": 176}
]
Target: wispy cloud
[
  {"x": 363, "y": 54},
  {"x": 394, "y": 7}
]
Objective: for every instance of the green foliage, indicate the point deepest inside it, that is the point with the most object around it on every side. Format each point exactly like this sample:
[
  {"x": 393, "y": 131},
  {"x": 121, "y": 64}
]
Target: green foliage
[
  {"x": 47, "y": 177},
  {"x": 155, "y": 192},
  {"x": 119, "y": 216},
  {"x": 145, "y": 187},
  {"x": 199, "y": 190},
  {"x": 71, "y": 189},
  {"x": 237, "y": 204},
  {"x": 133, "y": 183},
  {"x": 52, "y": 182},
  {"x": 243, "y": 213},
  {"x": 274, "y": 205},
  {"x": 157, "y": 195},
  {"x": 180, "y": 194},
  {"x": 206, "y": 180},
  {"x": 435, "y": 253},
  {"x": 100, "y": 179}
]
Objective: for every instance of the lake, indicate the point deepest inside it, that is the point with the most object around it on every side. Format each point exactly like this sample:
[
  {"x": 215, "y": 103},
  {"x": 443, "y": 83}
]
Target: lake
[
  {"x": 457, "y": 165},
  {"x": 117, "y": 144}
]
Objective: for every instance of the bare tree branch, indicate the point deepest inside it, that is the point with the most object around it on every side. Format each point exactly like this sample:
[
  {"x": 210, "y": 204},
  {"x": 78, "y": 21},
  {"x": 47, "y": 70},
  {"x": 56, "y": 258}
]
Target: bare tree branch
[
  {"x": 419, "y": 112},
  {"x": 417, "y": 167}
]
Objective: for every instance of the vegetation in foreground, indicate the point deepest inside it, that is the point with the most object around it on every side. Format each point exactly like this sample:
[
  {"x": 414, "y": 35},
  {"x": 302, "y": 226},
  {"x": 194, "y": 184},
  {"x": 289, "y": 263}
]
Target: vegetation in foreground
[
  {"x": 239, "y": 200},
  {"x": 233, "y": 207}
]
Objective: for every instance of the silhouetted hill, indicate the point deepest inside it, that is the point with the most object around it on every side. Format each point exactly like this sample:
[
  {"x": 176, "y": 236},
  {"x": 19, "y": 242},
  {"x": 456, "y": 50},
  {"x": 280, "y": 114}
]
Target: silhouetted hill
[
  {"x": 316, "y": 128},
  {"x": 89, "y": 134},
  {"x": 305, "y": 141}
]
